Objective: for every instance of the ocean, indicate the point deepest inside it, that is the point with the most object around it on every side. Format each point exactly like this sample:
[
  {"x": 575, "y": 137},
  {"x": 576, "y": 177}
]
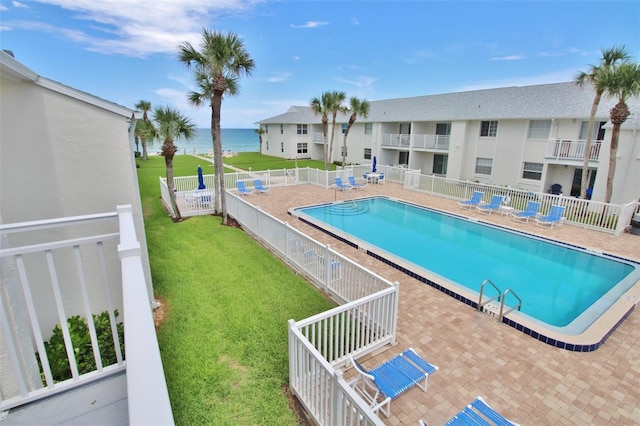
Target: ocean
[{"x": 234, "y": 140}]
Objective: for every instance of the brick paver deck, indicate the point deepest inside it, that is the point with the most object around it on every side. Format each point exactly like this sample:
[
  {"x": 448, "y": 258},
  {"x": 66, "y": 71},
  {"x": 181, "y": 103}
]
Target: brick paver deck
[{"x": 526, "y": 380}]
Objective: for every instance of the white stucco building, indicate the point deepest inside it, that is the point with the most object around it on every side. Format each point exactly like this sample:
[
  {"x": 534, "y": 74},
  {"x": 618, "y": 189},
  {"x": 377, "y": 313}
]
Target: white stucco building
[
  {"x": 527, "y": 137},
  {"x": 68, "y": 179}
]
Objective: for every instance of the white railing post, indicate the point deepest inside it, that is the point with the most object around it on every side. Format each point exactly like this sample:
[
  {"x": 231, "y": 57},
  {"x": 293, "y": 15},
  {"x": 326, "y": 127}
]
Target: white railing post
[{"x": 147, "y": 395}]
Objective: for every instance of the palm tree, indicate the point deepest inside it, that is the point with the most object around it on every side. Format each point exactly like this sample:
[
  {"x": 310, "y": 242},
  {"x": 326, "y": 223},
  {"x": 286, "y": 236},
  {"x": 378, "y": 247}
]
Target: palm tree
[
  {"x": 147, "y": 134},
  {"x": 145, "y": 107},
  {"x": 329, "y": 103},
  {"x": 220, "y": 62},
  {"x": 260, "y": 132},
  {"x": 171, "y": 125},
  {"x": 335, "y": 106},
  {"x": 319, "y": 106},
  {"x": 610, "y": 59},
  {"x": 623, "y": 83},
  {"x": 358, "y": 108}
]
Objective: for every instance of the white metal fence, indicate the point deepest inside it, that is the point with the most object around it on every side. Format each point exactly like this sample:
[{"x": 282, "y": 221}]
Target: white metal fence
[
  {"x": 606, "y": 217},
  {"x": 83, "y": 265},
  {"x": 590, "y": 214},
  {"x": 319, "y": 345}
]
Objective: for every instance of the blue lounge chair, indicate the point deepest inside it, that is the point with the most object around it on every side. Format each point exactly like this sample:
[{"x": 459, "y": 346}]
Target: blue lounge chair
[
  {"x": 554, "y": 217},
  {"x": 356, "y": 185},
  {"x": 495, "y": 204},
  {"x": 257, "y": 185},
  {"x": 530, "y": 211},
  {"x": 243, "y": 190},
  {"x": 390, "y": 379},
  {"x": 341, "y": 185},
  {"x": 474, "y": 201},
  {"x": 479, "y": 413},
  {"x": 381, "y": 178}
]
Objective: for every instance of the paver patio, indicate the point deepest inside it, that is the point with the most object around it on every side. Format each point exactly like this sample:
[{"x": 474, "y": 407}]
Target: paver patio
[{"x": 526, "y": 380}]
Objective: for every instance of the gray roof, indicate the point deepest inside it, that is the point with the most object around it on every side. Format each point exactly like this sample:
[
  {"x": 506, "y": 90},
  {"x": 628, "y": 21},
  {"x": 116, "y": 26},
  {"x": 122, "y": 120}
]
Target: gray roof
[{"x": 547, "y": 101}]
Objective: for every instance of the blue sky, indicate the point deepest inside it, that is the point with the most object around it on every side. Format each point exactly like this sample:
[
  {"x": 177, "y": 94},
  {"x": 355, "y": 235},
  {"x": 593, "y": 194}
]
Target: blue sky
[{"x": 124, "y": 50}]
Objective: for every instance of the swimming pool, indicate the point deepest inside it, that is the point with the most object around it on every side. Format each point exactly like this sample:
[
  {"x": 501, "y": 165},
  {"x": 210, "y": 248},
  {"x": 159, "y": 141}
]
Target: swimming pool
[{"x": 561, "y": 287}]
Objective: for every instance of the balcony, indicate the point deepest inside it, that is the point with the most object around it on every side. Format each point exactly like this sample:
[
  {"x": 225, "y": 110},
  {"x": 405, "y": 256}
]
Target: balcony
[
  {"x": 569, "y": 150},
  {"x": 418, "y": 142},
  {"x": 89, "y": 267}
]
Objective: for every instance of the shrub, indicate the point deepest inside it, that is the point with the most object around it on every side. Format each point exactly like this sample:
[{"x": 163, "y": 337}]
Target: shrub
[{"x": 81, "y": 341}]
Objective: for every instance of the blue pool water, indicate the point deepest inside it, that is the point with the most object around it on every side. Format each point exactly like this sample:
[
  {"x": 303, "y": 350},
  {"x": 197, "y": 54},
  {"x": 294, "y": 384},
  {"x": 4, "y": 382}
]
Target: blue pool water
[{"x": 556, "y": 283}]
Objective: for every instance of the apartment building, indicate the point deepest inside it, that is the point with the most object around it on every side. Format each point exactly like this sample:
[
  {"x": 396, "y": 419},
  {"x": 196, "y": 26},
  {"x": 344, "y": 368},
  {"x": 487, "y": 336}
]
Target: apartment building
[{"x": 528, "y": 137}]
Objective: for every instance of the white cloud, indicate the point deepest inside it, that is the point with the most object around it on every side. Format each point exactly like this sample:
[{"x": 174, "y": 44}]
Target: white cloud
[
  {"x": 359, "y": 82},
  {"x": 354, "y": 21},
  {"x": 279, "y": 77},
  {"x": 141, "y": 28},
  {"x": 507, "y": 58},
  {"x": 310, "y": 24},
  {"x": 19, "y": 5},
  {"x": 3, "y": 8}
]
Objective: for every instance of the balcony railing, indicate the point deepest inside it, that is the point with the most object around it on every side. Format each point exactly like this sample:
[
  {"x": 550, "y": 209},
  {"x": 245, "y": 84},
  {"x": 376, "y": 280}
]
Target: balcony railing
[
  {"x": 83, "y": 265},
  {"x": 571, "y": 149},
  {"x": 416, "y": 141}
]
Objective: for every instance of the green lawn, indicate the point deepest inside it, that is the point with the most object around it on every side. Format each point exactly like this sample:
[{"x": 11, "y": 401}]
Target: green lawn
[
  {"x": 224, "y": 340},
  {"x": 258, "y": 161}
]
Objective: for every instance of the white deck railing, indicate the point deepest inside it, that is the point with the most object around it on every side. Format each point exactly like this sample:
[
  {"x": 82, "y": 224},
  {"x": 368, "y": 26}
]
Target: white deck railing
[
  {"x": 83, "y": 265},
  {"x": 569, "y": 149}
]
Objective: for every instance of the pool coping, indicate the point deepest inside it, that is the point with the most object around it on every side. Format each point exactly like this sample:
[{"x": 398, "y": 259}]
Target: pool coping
[{"x": 589, "y": 340}]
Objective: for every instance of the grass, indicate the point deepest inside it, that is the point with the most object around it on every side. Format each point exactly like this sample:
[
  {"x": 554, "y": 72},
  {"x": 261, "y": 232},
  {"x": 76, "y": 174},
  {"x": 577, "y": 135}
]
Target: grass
[
  {"x": 224, "y": 340},
  {"x": 258, "y": 161}
]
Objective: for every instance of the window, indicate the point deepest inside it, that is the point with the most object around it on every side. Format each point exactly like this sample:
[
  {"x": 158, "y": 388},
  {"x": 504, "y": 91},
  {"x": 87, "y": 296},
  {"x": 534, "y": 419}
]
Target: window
[
  {"x": 489, "y": 129},
  {"x": 443, "y": 129},
  {"x": 598, "y": 131},
  {"x": 302, "y": 148},
  {"x": 532, "y": 171},
  {"x": 281, "y": 146},
  {"x": 367, "y": 153},
  {"x": 440, "y": 164},
  {"x": 267, "y": 145},
  {"x": 484, "y": 166},
  {"x": 302, "y": 129},
  {"x": 343, "y": 151},
  {"x": 405, "y": 128},
  {"x": 368, "y": 128},
  {"x": 344, "y": 128},
  {"x": 539, "y": 129},
  {"x": 266, "y": 128},
  {"x": 282, "y": 129}
]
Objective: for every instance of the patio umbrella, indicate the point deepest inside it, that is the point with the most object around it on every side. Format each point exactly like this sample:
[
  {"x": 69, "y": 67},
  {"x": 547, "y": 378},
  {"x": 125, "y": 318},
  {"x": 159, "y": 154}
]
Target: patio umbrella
[
  {"x": 373, "y": 168},
  {"x": 201, "y": 184}
]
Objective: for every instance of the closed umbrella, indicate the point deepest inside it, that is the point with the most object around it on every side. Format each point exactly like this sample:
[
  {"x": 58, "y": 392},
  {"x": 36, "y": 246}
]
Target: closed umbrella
[
  {"x": 201, "y": 184},
  {"x": 373, "y": 168}
]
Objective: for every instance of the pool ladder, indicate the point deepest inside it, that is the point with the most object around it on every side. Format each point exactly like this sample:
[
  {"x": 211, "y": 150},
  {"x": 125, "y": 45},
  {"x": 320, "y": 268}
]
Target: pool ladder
[{"x": 501, "y": 297}]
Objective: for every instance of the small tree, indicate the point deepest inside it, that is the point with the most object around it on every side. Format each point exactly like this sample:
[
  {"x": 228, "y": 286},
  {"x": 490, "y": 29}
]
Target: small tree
[
  {"x": 358, "y": 108},
  {"x": 171, "y": 125},
  {"x": 145, "y": 107}
]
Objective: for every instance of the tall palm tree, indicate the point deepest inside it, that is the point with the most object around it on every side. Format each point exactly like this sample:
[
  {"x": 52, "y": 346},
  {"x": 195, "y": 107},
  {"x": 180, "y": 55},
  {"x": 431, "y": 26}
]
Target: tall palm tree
[
  {"x": 623, "y": 83},
  {"x": 358, "y": 108},
  {"x": 145, "y": 107},
  {"x": 147, "y": 134},
  {"x": 217, "y": 66},
  {"x": 611, "y": 58},
  {"x": 171, "y": 125},
  {"x": 336, "y": 100},
  {"x": 319, "y": 106}
]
